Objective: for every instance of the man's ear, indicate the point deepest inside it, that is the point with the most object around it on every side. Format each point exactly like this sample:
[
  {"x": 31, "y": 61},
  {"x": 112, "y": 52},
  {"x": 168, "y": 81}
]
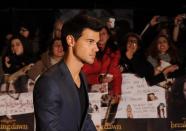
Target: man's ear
[{"x": 70, "y": 40}]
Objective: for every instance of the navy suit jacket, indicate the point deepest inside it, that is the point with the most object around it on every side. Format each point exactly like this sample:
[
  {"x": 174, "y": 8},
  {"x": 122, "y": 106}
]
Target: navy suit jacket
[{"x": 56, "y": 102}]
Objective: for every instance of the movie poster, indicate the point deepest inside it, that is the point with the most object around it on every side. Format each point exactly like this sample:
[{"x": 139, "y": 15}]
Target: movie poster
[
  {"x": 177, "y": 105},
  {"x": 16, "y": 112},
  {"x": 141, "y": 101},
  {"x": 142, "y": 107},
  {"x": 16, "y": 109},
  {"x": 98, "y": 103}
]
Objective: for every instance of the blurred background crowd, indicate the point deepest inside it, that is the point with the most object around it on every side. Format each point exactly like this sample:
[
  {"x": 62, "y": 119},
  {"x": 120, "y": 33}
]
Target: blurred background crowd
[{"x": 148, "y": 43}]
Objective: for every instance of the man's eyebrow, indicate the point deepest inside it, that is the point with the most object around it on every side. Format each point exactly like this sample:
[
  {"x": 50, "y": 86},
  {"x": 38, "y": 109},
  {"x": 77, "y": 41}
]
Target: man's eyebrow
[{"x": 90, "y": 39}]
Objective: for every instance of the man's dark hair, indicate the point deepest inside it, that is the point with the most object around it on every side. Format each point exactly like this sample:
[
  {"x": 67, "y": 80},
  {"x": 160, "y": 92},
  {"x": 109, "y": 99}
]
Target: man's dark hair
[{"x": 76, "y": 25}]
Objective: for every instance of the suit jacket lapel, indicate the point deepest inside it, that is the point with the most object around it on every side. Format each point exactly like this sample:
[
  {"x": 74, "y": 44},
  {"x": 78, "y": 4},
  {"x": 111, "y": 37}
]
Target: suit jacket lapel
[
  {"x": 86, "y": 95},
  {"x": 86, "y": 87},
  {"x": 70, "y": 89}
]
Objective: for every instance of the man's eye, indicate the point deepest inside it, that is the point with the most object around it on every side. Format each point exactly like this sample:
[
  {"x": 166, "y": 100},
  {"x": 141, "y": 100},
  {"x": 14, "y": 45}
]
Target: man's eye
[{"x": 91, "y": 41}]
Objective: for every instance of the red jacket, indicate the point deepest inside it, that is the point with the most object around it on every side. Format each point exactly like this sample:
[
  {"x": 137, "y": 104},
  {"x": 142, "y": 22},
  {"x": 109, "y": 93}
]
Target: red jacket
[{"x": 108, "y": 64}]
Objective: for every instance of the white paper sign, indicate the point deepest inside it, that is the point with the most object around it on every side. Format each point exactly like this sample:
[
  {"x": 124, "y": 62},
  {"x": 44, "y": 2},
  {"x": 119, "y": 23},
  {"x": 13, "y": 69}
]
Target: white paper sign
[
  {"x": 98, "y": 103},
  {"x": 9, "y": 105},
  {"x": 140, "y": 100}
]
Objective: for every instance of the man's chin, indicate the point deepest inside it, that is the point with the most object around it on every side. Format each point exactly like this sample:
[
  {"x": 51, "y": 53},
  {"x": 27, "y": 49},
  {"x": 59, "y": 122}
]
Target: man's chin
[{"x": 91, "y": 62}]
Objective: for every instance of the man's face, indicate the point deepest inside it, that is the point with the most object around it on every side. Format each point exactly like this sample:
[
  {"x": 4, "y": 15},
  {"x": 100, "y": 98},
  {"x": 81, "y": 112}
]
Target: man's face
[{"x": 86, "y": 46}]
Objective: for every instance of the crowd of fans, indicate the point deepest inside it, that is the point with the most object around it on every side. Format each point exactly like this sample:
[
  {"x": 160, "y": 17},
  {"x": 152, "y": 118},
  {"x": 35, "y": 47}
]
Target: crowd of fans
[{"x": 157, "y": 54}]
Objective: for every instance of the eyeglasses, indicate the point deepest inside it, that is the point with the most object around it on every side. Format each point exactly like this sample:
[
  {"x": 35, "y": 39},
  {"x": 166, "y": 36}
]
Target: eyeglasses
[{"x": 133, "y": 43}]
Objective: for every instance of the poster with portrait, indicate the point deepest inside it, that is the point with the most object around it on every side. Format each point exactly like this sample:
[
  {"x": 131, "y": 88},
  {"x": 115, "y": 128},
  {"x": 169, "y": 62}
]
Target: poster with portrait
[
  {"x": 177, "y": 105},
  {"x": 16, "y": 105},
  {"x": 98, "y": 103},
  {"x": 101, "y": 88},
  {"x": 21, "y": 122},
  {"x": 139, "y": 100}
]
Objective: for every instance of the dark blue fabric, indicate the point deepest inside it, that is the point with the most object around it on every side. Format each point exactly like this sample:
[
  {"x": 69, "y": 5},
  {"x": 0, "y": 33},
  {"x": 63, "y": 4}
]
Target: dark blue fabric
[{"x": 56, "y": 102}]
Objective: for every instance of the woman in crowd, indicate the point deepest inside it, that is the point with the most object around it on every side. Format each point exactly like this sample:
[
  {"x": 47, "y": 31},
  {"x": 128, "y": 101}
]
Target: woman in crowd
[
  {"x": 158, "y": 25},
  {"x": 133, "y": 60},
  {"x": 16, "y": 62},
  {"x": 17, "y": 55},
  {"x": 162, "y": 54},
  {"x": 52, "y": 56}
]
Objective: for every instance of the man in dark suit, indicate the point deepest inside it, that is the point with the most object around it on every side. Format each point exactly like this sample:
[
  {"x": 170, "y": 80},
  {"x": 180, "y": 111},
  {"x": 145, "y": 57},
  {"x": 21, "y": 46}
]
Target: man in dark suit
[{"x": 60, "y": 94}]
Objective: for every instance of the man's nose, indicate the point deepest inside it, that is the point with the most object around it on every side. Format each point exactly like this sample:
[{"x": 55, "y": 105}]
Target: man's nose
[{"x": 96, "y": 48}]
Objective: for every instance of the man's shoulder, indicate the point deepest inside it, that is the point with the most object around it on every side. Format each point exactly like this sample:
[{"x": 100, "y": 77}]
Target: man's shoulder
[
  {"x": 50, "y": 76},
  {"x": 53, "y": 72}
]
